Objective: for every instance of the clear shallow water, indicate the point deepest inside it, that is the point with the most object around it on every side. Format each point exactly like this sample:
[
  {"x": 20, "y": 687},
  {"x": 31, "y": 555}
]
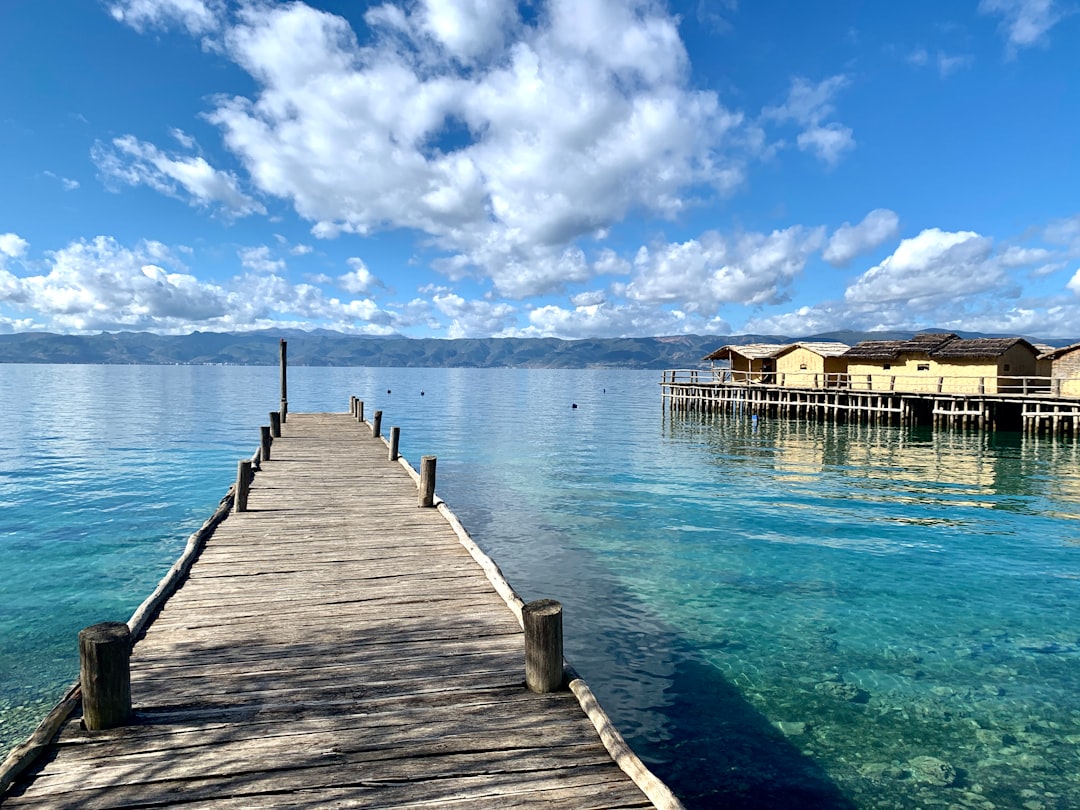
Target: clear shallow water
[{"x": 792, "y": 615}]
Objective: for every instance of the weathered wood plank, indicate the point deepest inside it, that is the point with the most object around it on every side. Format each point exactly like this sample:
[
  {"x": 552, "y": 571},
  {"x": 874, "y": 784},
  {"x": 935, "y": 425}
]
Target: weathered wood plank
[{"x": 334, "y": 646}]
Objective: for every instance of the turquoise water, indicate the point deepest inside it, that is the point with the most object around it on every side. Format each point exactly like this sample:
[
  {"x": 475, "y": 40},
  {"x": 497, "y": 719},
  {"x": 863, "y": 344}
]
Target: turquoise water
[{"x": 776, "y": 615}]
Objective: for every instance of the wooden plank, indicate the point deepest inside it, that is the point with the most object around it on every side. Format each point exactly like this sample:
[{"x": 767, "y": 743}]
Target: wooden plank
[{"x": 335, "y": 646}]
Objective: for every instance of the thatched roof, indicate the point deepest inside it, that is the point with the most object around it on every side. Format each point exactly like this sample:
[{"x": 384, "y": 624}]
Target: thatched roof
[
  {"x": 939, "y": 346},
  {"x": 751, "y": 351},
  {"x": 979, "y": 347},
  {"x": 823, "y": 348},
  {"x": 1054, "y": 354},
  {"x": 874, "y": 350}
]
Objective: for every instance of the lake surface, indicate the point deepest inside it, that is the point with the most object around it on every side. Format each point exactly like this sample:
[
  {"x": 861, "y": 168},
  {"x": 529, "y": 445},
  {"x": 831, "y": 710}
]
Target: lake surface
[{"x": 776, "y": 614}]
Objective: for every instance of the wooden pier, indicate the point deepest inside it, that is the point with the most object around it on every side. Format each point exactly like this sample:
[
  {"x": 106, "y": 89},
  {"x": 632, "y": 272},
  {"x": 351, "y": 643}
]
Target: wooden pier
[
  {"x": 1027, "y": 404},
  {"x": 336, "y": 644}
]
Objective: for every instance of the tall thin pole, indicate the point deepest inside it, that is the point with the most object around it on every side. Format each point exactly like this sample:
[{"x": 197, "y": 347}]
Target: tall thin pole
[{"x": 284, "y": 386}]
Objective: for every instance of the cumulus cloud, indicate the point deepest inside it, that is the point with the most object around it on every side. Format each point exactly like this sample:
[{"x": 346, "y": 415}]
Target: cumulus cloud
[
  {"x": 473, "y": 318},
  {"x": 441, "y": 122},
  {"x": 359, "y": 280},
  {"x": 849, "y": 241},
  {"x": 1074, "y": 283},
  {"x": 608, "y": 320},
  {"x": 260, "y": 260},
  {"x": 100, "y": 284},
  {"x": 134, "y": 162},
  {"x": 930, "y": 268},
  {"x": 1016, "y": 256},
  {"x": 1024, "y": 22},
  {"x": 701, "y": 274},
  {"x": 809, "y": 105},
  {"x": 12, "y": 245},
  {"x": 197, "y": 16}
]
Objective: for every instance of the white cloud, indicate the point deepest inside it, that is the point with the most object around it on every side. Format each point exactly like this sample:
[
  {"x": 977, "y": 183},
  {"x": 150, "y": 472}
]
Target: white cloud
[
  {"x": 828, "y": 142},
  {"x": 259, "y": 260},
  {"x": 359, "y": 280},
  {"x": 924, "y": 271},
  {"x": 99, "y": 284},
  {"x": 135, "y": 162},
  {"x": 849, "y": 241},
  {"x": 588, "y": 299},
  {"x": 1016, "y": 256},
  {"x": 802, "y": 322},
  {"x": 604, "y": 320},
  {"x": 394, "y": 134},
  {"x": 473, "y": 318},
  {"x": 1074, "y": 283},
  {"x": 701, "y": 274},
  {"x": 198, "y": 16},
  {"x": 809, "y": 105},
  {"x": 12, "y": 245},
  {"x": 1024, "y": 22}
]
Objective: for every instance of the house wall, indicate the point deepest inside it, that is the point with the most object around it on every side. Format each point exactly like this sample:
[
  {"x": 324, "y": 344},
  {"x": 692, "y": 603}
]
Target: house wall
[
  {"x": 919, "y": 373},
  {"x": 800, "y": 368},
  {"x": 1067, "y": 369}
]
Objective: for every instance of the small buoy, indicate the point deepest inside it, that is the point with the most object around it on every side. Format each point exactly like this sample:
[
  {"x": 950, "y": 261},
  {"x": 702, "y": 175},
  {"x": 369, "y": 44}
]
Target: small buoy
[
  {"x": 574, "y": 405},
  {"x": 421, "y": 393},
  {"x": 388, "y": 390}
]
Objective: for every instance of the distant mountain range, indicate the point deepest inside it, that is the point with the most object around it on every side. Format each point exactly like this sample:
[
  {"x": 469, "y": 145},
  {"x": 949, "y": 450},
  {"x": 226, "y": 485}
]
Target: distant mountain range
[{"x": 325, "y": 348}]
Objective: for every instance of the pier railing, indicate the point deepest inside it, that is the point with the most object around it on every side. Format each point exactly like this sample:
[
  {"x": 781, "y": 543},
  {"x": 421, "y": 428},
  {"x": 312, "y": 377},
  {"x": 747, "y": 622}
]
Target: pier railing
[{"x": 1020, "y": 386}]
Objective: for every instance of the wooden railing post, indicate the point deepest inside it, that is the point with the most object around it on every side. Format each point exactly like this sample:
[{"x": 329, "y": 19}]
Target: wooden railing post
[
  {"x": 243, "y": 485},
  {"x": 395, "y": 438},
  {"x": 542, "y": 621},
  {"x": 264, "y": 443},
  {"x": 359, "y": 410},
  {"x": 105, "y": 675},
  {"x": 376, "y": 425},
  {"x": 427, "y": 481},
  {"x": 275, "y": 424},
  {"x": 284, "y": 387},
  {"x": 352, "y": 406}
]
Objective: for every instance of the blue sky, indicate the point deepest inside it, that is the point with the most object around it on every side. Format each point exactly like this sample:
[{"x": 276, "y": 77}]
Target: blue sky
[{"x": 568, "y": 168}]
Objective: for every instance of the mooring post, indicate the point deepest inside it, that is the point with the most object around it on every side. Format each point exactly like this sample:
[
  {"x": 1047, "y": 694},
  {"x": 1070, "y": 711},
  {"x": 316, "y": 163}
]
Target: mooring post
[
  {"x": 105, "y": 675},
  {"x": 284, "y": 388},
  {"x": 275, "y": 424},
  {"x": 376, "y": 425},
  {"x": 427, "y": 481},
  {"x": 264, "y": 443},
  {"x": 352, "y": 406},
  {"x": 395, "y": 438},
  {"x": 359, "y": 410},
  {"x": 243, "y": 484},
  {"x": 543, "y": 645}
]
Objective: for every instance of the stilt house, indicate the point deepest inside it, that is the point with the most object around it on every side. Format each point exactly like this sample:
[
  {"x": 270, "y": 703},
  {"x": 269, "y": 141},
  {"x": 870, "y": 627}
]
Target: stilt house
[{"x": 944, "y": 363}]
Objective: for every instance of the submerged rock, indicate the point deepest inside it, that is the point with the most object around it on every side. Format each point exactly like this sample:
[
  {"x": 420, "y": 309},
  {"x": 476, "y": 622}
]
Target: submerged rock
[
  {"x": 843, "y": 691},
  {"x": 932, "y": 771}
]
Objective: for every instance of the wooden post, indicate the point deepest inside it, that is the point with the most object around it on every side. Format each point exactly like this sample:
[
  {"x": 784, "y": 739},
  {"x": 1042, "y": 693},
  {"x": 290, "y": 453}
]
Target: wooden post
[
  {"x": 275, "y": 424},
  {"x": 105, "y": 675},
  {"x": 359, "y": 410},
  {"x": 264, "y": 443},
  {"x": 543, "y": 645},
  {"x": 243, "y": 485},
  {"x": 352, "y": 406},
  {"x": 284, "y": 387},
  {"x": 376, "y": 425},
  {"x": 427, "y": 481},
  {"x": 395, "y": 438}
]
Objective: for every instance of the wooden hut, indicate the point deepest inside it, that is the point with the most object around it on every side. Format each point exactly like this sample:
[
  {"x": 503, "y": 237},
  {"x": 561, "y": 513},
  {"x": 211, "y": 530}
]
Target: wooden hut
[
  {"x": 944, "y": 363},
  {"x": 893, "y": 365},
  {"x": 812, "y": 365},
  {"x": 752, "y": 362},
  {"x": 1064, "y": 368}
]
